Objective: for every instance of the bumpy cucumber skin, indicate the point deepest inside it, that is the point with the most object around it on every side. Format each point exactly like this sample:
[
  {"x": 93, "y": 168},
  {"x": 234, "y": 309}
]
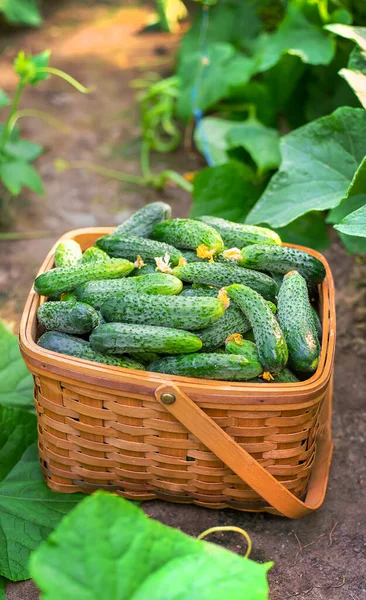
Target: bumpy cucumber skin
[
  {"x": 68, "y": 317},
  {"x": 144, "y": 220},
  {"x": 73, "y": 346},
  {"x": 191, "y": 256},
  {"x": 147, "y": 269},
  {"x": 67, "y": 253},
  {"x": 67, "y": 279},
  {"x": 317, "y": 323},
  {"x": 214, "y": 336},
  {"x": 176, "y": 312},
  {"x": 220, "y": 275},
  {"x": 237, "y": 235},
  {"x": 121, "y": 338},
  {"x": 132, "y": 247},
  {"x": 96, "y": 293},
  {"x": 297, "y": 323},
  {"x": 94, "y": 254},
  {"x": 281, "y": 259},
  {"x": 188, "y": 234},
  {"x": 271, "y": 344},
  {"x": 225, "y": 367},
  {"x": 244, "y": 348},
  {"x": 145, "y": 357},
  {"x": 201, "y": 291},
  {"x": 67, "y": 297}
]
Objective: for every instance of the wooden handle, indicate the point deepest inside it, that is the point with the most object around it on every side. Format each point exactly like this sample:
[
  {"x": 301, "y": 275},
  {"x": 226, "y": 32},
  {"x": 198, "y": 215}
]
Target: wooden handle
[{"x": 242, "y": 463}]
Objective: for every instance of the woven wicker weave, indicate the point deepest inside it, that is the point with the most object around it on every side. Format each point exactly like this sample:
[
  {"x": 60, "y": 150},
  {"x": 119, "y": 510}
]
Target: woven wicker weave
[{"x": 107, "y": 427}]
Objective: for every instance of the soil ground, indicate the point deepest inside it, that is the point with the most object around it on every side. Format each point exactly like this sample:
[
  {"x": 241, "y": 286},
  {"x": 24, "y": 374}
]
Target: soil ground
[{"x": 321, "y": 557}]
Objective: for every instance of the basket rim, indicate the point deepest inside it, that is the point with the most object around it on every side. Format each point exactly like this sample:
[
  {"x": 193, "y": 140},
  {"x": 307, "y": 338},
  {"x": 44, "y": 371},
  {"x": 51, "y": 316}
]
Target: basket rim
[{"x": 99, "y": 374}]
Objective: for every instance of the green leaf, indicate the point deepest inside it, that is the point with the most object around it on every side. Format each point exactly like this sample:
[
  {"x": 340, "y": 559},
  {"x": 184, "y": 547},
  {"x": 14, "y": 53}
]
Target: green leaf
[
  {"x": 215, "y": 131},
  {"x": 108, "y": 548},
  {"x": 354, "y": 199},
  {"x": 230, "y": 21},
  {"x": 354, "y": 223},
  {"x": 16, "y": 383},
  {"x": 225, "y": 191},
  {"x": 3, "y": 583},
  {"x": 261, "y": 142},
  {"x": 4, "y": 99},
  {"x": 26, "y": 66},
  {"x": 296, "y": 35},
  {"x": 18, "y": 430},
  {"x": 16, "y": 173},
  {"x": 29, "y": 511},
  {"x": 17, "y": 147},
  {"x": 356, "y": 34},
  {"x": 309, "y": 230},
  {"x": 227, "y": 68},
  {"x": 355, "y": 74},
  {"x": 21, "y": 12},
  {"x": 318, "y": 164}
]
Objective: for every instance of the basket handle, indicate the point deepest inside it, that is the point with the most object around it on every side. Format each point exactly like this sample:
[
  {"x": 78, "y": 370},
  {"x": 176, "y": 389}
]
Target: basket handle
[{"x": 242, "y": 463}]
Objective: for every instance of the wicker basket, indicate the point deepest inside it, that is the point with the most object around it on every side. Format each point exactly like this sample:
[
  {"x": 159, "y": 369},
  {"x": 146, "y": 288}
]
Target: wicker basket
[{"x": 252, "y": 447}]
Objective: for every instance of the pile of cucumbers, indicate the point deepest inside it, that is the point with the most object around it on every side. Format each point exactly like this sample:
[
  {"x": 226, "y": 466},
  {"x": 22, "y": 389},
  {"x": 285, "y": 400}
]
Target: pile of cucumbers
[{"x": 203, "y": 298}]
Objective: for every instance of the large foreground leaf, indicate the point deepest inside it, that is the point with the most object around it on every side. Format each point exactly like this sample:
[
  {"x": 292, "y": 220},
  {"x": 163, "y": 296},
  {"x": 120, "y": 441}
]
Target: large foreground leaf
[
  {"x": 21, "y": 11},
  {"x": 29, "y": 511},
  {"x": 309, "y": 230},
  {"x": 18, "y": 429},
  {"x": 16, "y": 383},
  {"x": 318, "y": 164},
  {"x": 108, "y": 548},
  {"x": 2, "y": 588},
  {"x": 225, "y": 191}
]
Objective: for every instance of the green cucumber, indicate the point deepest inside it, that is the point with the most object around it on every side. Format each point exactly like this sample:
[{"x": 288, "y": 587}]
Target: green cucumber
[
  {"x": 68, "y": 317},
  {"x": 132, "y": 247},
  {"x": 67, "y": 253},
  {"x": 238, "y": 235},
  {"x": 281, "y": 259},
  {"x": 73, "y": 346},
  {"x": 145, "y": 270},
  {"x": 144, "y": 220},
  {"x": 97, "y": 292},
  {"x": 188, "y": 234},
  {"x": 67, "y": 279},
  {"x": 119, "y": 338},
  {"x": 247, "y": 349},
  {"x": 220, "y": 275},
  {"x": 271, "y": 344},
  {"x": 191, "y": 256},
  {"x": 214, "y": 336},
  {"x": 198, "y": 290},
  {"x": 94, "y": 254},
  {"x": 176, "y": 312},
  {"x": 145, "y": 357},
  {"x": 285, "y": 376},
  {"x": 296, "y": 320},
  {"x": 226, "y": 367},
  {"x": 67, "y": 297},
  {"x": 318, "y": 325},
  {"x": 278, "y": 278}
]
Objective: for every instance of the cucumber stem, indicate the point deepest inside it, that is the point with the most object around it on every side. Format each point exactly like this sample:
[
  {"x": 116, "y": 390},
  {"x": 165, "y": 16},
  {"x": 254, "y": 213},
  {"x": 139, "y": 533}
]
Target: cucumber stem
[{"x": 14, "y": 107}]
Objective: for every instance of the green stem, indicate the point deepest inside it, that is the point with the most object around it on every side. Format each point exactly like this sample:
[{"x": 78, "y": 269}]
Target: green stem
[
  {"x": 159, "y": 180},
  {"x": 145, "y": 160},
  {"x": 109, "y": 173},
  {"x": 41, "y": 115},
  {"x": 66, "y": 77},
  {"x": 14, "y": 107}
]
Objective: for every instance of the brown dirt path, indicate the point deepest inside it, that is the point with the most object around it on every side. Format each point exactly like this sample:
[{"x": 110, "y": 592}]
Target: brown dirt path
[{"x": 99, "y": 43}]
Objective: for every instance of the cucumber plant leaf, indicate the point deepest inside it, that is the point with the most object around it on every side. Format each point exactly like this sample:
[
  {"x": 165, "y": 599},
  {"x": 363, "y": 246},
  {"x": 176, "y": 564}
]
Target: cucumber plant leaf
[
  {"x": 356, "y": 34},
  {"x": 18, "y": 429},
  {"x": 2, "y": 588},
  {"x": 261, "y": 142},
  {"x": 354, "y": 224},
  {"x": 310, "y": 230},
  {"x": 225, "y": 191},
  {"x": 29, "y": 511},
  {"x": 17, "y": 147},
  {"x": 108, "y": 548},
  {"x": 4, "y": 99},
  {"x": 226, "y": 68},
  {"x": 297, "y": 36},
  {"x": 21, "y": 12},
  {"x": 17, "y": 173},
  {"x": 16, "y": 383},
  {"x": 318, "y": 163},
  {"x": 354, "y": 199}
]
